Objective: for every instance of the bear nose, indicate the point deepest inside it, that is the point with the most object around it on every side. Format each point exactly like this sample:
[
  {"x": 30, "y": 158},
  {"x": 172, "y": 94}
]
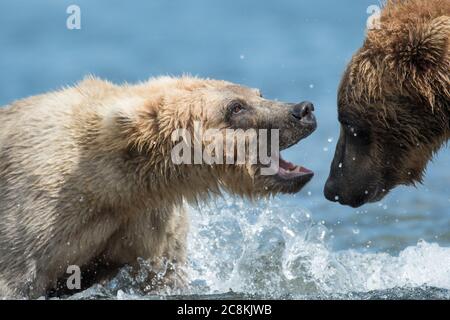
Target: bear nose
[{"x": 304, "y": 111}]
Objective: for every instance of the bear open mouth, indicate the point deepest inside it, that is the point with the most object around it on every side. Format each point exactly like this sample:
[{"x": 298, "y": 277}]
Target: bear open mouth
[
  {"x": 288, "y": 170},
  {"x": 288, "y": 177}
]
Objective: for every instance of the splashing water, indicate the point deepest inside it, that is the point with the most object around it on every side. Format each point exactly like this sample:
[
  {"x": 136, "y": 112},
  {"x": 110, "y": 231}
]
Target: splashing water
[
  {"x": 279, "y": 251},
  {"x": 271, "y": 250}
]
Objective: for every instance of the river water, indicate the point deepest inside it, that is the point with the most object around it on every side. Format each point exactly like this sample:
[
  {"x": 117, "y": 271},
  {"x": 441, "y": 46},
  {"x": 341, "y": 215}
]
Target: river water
[{"x": 298, "y": 246}]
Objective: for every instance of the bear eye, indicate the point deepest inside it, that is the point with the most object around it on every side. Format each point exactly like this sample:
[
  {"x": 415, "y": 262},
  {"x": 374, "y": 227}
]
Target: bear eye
[{"x": 236, "y": 107}]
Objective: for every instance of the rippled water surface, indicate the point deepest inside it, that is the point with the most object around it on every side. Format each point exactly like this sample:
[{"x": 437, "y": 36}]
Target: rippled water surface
[{"x": 298, "y": 246}]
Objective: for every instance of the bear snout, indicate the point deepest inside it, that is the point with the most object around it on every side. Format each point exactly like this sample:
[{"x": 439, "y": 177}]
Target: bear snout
[
  {"x": 304, "y": 119},
  {"x": 304, "y": 112}
]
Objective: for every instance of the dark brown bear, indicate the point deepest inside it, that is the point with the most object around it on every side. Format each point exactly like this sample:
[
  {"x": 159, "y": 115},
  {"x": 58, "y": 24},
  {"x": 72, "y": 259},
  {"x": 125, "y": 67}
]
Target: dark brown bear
[{"x": 393, "y": 103}]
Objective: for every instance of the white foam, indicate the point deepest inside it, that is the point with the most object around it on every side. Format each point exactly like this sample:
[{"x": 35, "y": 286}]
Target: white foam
[{"x": 280, "y": 251}]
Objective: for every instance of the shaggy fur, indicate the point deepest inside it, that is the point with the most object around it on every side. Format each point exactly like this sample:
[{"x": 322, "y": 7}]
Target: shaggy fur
[
  {"x": 394, "y": 103},
  {"x": 86, "y": 176}
]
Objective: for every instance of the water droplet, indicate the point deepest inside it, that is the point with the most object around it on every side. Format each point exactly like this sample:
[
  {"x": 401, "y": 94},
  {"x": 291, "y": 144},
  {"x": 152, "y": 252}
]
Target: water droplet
[
  {"x": 336, "y": 198},
  {"x": 340, "y": 165},
  {"x": 311, "y": 86},
  {"x": 309, "y": 193},
  {"x": 325, "y": 149},
  {"x": 366, "y": 192},
  {"x": 330, "y": 140},
  {"x": 242, "y": 57},
  {"x": 289, "y": 232},
  {"x": 355, "y": 231}
]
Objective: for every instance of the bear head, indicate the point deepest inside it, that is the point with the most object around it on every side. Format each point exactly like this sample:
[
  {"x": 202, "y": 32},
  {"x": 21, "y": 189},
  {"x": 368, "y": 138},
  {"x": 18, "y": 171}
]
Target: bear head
[
  {"x": 205, "y": 135},
  {"x": 393, "y": 103}
]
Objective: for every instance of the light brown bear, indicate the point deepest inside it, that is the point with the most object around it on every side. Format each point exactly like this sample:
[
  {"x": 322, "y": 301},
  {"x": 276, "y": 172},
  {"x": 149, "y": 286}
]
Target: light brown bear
[{"x": 87, "y": 177}]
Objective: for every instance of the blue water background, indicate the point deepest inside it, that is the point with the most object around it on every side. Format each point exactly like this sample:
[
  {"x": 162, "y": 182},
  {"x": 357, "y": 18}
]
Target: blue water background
[{"x": 291, "y": 50}]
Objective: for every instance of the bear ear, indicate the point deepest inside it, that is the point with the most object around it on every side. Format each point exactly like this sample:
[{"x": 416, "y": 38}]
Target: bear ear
[{"x": 422, "y": 47}]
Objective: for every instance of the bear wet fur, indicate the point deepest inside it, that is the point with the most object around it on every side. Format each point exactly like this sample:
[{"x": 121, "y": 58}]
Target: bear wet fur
[
  {"x": 393, "y": 103},
  {"x": 86, "y": 176}
]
